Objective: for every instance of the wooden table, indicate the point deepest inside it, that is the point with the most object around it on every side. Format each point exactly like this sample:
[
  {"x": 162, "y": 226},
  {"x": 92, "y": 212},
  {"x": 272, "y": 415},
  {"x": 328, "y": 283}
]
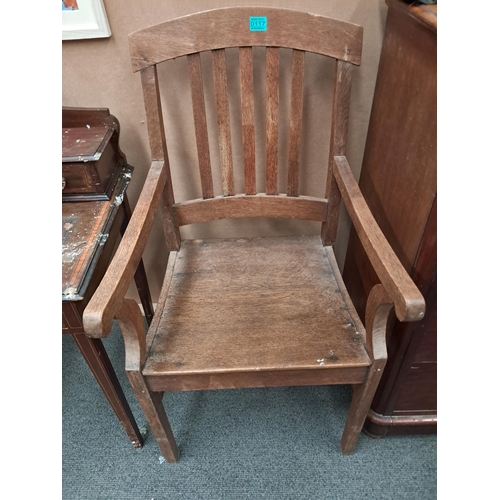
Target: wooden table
[{"x": 90, "y": 233}]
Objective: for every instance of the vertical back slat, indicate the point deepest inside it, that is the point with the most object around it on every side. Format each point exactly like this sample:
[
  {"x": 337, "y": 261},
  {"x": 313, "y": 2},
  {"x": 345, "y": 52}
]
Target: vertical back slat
[
  {"x": 222, "y": 104},
  {"x": 272, "y": 101},
  {"x": 154, "y": 116},
  {"x": 247, "y": 118},
  {"x": 338, "y": 142},
  {"x": 158, "y": 146},
  {"x": 200, "y": 125},
  {"x": 342, "y": 99},
  {"x": 295, "y": 122}
]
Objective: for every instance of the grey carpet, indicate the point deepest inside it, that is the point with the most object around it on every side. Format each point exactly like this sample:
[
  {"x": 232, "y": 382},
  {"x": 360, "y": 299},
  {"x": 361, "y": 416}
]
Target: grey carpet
[{"x": 276, "y": 443}]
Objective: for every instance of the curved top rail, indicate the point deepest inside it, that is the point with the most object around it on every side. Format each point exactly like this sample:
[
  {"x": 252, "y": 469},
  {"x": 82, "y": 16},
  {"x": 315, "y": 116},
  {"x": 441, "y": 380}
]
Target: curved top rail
[{"x": 230, "y": 27}]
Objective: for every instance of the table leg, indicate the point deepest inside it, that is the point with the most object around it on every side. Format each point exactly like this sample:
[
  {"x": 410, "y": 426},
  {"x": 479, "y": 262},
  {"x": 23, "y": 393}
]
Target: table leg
[
  {"x": 141, "y": 281},
  {"x": 98, "y": 361}
]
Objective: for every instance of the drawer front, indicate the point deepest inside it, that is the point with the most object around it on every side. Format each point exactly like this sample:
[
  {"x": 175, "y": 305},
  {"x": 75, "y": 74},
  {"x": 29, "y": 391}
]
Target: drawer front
[
  {"x": 80, "y": 178},
  {"x": 418, "y": 392}
]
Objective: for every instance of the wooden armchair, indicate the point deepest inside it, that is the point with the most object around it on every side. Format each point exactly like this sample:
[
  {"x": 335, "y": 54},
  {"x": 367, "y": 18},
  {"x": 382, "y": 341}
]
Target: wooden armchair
[{"x": 256, "y": 312}]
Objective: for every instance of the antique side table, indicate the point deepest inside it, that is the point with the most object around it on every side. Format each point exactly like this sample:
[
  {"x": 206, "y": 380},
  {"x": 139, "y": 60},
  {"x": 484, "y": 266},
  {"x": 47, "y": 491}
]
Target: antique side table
[{"x": 91, "y": 228}]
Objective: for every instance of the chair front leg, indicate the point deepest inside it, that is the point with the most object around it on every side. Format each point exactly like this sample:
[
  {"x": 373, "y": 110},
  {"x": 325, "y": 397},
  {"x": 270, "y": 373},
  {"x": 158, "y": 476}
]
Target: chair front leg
[
  {"x": 130, "y": 319},
  {"x": 378, "y": 307}
]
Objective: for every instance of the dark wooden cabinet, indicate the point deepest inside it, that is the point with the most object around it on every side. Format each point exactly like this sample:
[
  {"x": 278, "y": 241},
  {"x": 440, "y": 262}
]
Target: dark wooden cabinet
[{"x": 398, "y": 180}]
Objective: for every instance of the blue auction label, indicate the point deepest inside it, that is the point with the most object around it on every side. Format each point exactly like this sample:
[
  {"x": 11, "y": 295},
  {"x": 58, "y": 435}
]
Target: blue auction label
[{"x": 258, "y": 23}]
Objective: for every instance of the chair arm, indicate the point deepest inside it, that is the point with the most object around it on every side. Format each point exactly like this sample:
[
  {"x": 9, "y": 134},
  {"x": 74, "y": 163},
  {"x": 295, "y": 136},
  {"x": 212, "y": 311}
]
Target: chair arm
[
  {"x": 409, "y": 303},
  {"x": 106, "y": 300}
]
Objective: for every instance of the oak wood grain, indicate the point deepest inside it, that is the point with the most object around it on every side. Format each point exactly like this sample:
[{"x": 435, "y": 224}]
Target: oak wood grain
[
  {"x": 301, "y": 207},
  {"x": 223, "y": 121},
  {"x": 272, "y": 108},
  {"x": 297, "y": 98},
  {"x": 172, "y": 256},
  {"x": 360, "y": 328},
  {"x": 154, "y": 115},
  {"x": 261, "y": 304},
  {"x": 229, "y": 27},
  {"x": 247, "y": 118},
  {"x": 338, "y": 143},
  {"x": 200, "y": 125},
  {"x": 129, "y": 317}
]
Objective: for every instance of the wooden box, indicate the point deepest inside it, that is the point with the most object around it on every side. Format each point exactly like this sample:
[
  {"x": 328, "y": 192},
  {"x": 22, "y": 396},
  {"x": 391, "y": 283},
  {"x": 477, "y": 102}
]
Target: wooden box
[{"x": 88, "y": 163}]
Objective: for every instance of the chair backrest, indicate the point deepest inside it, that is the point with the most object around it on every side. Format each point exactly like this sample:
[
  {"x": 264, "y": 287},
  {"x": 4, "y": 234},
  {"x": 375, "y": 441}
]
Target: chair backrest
[{"x": 242, "y": 27}]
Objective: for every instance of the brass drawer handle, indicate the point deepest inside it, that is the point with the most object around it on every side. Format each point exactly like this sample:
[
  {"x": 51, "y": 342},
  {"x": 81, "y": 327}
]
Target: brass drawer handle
[{"x": 63, "y": 182}]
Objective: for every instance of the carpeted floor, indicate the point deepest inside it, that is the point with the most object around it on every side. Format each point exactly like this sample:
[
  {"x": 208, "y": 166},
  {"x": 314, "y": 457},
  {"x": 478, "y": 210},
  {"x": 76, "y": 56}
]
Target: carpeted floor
[{"x": 276, "y": 443}]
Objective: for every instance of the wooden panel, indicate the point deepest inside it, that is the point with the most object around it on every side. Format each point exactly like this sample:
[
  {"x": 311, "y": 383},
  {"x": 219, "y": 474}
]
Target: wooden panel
[
  {"x": 93, "y": 117},
  {"x": 423, "y": 14},
  {"x": 224, "y": 127},
  {"x": 280, "y": 378},
  {"x": 303, "y": 207},
  {"x": 297, "y": 98},
  {"x": 240, "y": 306},
  {"x": 247, "y": 118},
  {"x": 418, "y": 392},
  {"x": 338, "y": 142},
  {"x": 200, "y": 125},
  {"x": 399, "y": 165},
  {"x": 272, "y": 105},
  {"x": 79, "y": 178},
  {"x": 229, "y": 27}
]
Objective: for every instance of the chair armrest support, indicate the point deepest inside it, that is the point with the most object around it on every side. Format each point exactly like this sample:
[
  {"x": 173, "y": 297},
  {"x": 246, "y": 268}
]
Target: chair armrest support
[
  {"x": 107, "y": 299},
  {"x": 409, "y": 303}
]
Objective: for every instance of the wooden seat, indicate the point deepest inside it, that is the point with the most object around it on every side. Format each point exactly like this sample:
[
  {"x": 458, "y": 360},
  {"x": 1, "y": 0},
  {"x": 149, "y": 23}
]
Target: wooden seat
[
  {"x": 251, "y": 312},
  {"x": 234, "y": 307}
]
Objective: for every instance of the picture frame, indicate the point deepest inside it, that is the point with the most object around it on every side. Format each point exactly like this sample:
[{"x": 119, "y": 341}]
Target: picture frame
[{"x": 84, "y": 19}]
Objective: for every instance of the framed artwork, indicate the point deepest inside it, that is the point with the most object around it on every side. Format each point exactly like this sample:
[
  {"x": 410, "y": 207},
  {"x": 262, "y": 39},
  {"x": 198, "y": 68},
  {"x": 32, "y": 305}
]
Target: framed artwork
[{"x": 84, "y": 19}]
